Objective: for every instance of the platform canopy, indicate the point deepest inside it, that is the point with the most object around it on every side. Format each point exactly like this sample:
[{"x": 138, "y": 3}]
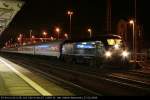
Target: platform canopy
[{"x": 8, "y": 10}]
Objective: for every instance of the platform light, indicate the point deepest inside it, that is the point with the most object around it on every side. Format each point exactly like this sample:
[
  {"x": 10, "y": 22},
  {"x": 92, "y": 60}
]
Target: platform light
[
  {"x": 66, "y": 35},
  {"x": 90, "y": 31},
  {"x": 131, "y": 21},
  {"x": 33, "y": 37},
  {"x": 58, "y": 31},
  {"x": 52, "y": 38},
  {"x": 70, "y": 14},
  {"x": 45, "y": 34},
  {"x": 18, "y": 39}
]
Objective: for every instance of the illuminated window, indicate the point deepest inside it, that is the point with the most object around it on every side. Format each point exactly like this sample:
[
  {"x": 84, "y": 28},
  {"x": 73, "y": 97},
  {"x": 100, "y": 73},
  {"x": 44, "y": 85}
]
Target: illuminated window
[
  {"x": 118, "y": 41},
  {"x": 86, "y": 45},
  {"x": 113, "y": 42}
]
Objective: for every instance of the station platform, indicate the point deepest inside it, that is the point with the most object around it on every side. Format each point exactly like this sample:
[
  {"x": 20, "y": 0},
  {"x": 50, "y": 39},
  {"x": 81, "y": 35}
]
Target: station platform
[{"x": 18, "y": 81}]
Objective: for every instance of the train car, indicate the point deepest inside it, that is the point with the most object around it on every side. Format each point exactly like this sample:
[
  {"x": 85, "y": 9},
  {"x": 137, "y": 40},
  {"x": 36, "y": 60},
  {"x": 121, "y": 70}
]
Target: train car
[
  {"x": 52, "y": 48},
  {"x": 11, "y": 50},
  {"x": 96, "y": 51},
  {"x": 108, "y": 49},
  {"x": 28, "y": 49}
]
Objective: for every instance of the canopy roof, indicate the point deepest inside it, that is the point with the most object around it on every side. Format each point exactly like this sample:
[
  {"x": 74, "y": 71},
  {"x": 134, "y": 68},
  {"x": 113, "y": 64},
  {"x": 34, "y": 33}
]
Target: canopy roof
[{"x": 8, "y": 10}]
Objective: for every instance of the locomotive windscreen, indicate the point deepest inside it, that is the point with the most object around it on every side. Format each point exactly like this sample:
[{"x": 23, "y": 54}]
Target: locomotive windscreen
[{"x": 113, "y": 42}]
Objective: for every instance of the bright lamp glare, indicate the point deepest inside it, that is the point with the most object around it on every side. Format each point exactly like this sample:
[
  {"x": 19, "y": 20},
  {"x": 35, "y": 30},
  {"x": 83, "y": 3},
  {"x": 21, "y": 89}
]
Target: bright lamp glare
[
  {"x": 125, "y": 54},
  {"x": 131, "y": 22},
  {"x": 108, "y": 54}
]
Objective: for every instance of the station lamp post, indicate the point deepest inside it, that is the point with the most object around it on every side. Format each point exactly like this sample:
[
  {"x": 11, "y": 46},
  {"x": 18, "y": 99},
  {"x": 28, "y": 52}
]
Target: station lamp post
[
  {"x": 90, "y": 31},
  {"x": 20, "y": 39},
  {"x": 66, "y": 35},
  {"x": 58, "y": 32},
  {"x": 132, "y": 22},
  {"x": 32, "y": 39},
  {"x": 52, "y": 38},
  {"x": 30, "y": 35},
  {"x": 45, "y": 35},
  {"x": 70, "y": 13}
]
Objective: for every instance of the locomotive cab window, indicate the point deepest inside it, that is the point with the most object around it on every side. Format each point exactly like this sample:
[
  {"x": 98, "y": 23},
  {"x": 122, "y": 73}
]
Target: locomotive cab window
[
  {"x": 113, "y": 42},
  {"x": 116, "y": 44}
]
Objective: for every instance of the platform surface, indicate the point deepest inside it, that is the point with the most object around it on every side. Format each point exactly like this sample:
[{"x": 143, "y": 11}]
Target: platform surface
[{"x": 18, "y": 81}]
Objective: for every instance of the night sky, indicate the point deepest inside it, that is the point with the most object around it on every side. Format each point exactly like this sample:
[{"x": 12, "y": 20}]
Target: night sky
[{"x": 45, "y": 15}]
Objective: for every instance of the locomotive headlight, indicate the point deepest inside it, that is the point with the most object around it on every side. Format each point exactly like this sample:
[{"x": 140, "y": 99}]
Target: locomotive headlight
[
  {"x": 125, "y": 54},
  {"x": 108, "y": 54}
]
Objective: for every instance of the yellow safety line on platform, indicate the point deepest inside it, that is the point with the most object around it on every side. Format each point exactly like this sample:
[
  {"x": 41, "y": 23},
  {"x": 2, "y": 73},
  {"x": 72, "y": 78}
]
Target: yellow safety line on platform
[{"x": 26, "y": 79}]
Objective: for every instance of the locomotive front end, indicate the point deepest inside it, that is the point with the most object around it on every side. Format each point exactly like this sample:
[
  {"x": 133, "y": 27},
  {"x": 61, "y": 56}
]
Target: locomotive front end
[{"x": 116, "y": 53}]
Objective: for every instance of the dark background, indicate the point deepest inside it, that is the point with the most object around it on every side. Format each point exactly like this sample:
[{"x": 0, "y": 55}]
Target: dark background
[{"x": 45, "y": 15}]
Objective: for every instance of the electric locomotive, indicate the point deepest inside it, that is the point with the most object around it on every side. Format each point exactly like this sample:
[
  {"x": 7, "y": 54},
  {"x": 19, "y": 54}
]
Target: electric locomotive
[{"x": 108, "y": 49}]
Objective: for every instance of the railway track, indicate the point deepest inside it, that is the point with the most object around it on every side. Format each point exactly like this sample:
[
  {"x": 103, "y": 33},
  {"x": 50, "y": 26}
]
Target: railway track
[
  {"x": 76, "y": 89},
  {"x": 141, "y": 74},
  {"x": 117, "y": 85},
  {"x": 133, "y": 80}
]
